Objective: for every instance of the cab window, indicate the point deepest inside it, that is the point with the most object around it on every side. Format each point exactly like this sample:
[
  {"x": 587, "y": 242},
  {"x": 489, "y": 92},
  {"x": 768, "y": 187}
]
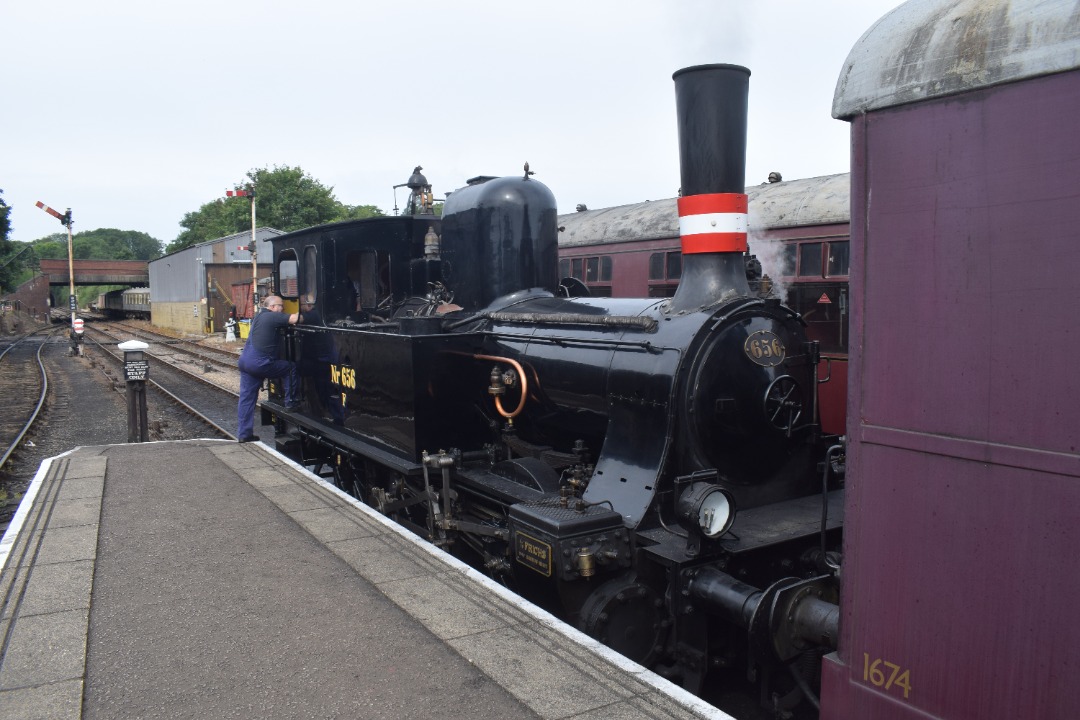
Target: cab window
[
  {"x": 288, "y": 280},
  {"x": 311, "y": 288}
]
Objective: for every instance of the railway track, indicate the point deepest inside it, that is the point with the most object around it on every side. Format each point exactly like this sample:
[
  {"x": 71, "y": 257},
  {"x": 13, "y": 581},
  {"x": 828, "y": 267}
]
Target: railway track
[
  {"x": 21, "y": 367},
  {"x": 181, "y": 348},
  {"x": 211, "y": 396},
  {"x": 85, "y": 405},
  {"x": 191, "y": 393},
  {"x": 210, "y": 367}
]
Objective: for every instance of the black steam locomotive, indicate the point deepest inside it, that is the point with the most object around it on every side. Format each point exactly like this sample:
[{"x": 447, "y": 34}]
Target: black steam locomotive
[{"x": 649, "y": 469}]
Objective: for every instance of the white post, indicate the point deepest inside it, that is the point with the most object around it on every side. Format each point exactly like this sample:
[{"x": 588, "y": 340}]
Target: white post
[
  {"x": 71, "y": 271},
  {"x": 254, "y": 260}
]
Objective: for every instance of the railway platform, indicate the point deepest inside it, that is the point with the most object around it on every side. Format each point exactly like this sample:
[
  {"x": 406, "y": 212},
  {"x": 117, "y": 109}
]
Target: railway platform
[{"x": 207, "y": 578}]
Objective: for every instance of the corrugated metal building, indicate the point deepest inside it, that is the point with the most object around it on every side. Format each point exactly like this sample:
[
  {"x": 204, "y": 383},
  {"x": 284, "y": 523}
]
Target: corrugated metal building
[{"x": 193, "y": 290}]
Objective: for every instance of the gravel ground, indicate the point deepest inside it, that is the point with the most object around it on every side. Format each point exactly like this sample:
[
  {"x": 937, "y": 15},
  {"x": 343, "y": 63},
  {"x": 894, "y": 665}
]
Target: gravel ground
[{"x": 86, "y": 405}]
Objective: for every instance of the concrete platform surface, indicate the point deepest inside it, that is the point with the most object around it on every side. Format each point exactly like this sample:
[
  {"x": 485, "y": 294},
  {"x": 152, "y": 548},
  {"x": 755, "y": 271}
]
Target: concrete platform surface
[{"x": 212, "y": 579}]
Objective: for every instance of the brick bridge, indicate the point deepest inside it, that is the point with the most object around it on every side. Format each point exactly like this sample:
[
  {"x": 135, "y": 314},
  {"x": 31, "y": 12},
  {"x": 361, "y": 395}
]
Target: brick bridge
[{"x": 97, "y": 272}]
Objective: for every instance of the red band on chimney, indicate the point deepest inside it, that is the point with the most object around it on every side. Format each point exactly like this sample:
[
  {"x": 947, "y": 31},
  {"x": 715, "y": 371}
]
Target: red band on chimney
[{"x": 712, "y": 223}]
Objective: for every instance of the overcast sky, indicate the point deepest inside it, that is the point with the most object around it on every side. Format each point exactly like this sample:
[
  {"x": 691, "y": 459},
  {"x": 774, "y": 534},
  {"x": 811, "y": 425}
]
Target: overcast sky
[{"x": 135, "y": 113}]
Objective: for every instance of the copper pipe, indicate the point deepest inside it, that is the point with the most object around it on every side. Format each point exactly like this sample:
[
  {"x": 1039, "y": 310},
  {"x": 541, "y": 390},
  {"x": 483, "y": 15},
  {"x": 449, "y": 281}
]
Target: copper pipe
[{"x": 524, "y": 384}]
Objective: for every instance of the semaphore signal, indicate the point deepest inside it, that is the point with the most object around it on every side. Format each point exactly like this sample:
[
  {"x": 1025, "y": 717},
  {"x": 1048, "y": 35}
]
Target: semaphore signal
[{"x": 65, "y": 220}]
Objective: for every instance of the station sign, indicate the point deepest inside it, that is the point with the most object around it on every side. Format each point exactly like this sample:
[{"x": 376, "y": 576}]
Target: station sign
[
  {"x": 78, "y": 325},
  {"x": 136, "y": 366},
  {"x": 136, "y": 370}
]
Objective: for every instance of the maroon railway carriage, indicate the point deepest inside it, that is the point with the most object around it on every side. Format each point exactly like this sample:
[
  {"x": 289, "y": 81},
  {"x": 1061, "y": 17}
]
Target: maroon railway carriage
[
  {"x": 960, "y": 574},
  {"x": 798, "y": 231}
]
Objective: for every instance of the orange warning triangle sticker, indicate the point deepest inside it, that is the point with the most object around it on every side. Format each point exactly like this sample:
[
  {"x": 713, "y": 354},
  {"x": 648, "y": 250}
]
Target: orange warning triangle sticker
[{"x": 824, "y": 299}]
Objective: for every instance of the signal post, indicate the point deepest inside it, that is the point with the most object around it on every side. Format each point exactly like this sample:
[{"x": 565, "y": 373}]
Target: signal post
[{"x": 65, "y": 220}]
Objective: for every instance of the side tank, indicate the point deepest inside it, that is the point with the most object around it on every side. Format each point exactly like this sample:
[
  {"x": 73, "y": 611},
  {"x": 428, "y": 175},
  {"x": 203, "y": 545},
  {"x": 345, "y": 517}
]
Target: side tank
[{"x": 500, "y": 235}]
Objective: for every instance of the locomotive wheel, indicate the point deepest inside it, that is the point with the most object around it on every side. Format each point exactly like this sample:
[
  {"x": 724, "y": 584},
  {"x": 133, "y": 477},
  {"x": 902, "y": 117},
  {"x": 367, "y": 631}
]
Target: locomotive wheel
[
  {"x": 782, "y": 404},
  {"x": 627, "y": 616}
]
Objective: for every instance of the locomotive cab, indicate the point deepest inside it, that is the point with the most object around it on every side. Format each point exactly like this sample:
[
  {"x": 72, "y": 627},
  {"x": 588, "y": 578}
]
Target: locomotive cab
[{"x": 358, "y": 271}]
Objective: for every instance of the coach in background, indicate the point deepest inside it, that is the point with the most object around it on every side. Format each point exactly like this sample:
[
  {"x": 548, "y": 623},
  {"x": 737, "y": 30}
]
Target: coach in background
[{"x": 261, "y": 360}]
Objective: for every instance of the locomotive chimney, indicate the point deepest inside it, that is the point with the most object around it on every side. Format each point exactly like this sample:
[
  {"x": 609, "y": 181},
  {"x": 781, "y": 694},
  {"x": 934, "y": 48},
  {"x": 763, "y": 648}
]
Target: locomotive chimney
[{"x": 711, "y": 105}]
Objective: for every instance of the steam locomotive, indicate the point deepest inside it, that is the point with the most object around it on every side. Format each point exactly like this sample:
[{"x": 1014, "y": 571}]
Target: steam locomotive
[{"x": 651, "y": 470}]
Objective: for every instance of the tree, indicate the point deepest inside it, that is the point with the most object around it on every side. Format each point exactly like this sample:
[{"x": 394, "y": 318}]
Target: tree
[
  {"x": 213, "y": 220},
  {"x": 5, "y": 220},
  {"x": 113, "y": 244},
  {"x": 17, "y": 259},
  {"x": 7, "y": 248},
  {"x": 100, "y": 244},
  {"x": 52, "y": 247},
  {"x": 289, "y": 199},
  {"x": 359, "y": 212},
  {"x": 286, "y": 198}
]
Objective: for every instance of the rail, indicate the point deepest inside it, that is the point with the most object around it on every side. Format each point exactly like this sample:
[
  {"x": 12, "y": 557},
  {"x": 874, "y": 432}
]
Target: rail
[{"x": 40, "y": 402}]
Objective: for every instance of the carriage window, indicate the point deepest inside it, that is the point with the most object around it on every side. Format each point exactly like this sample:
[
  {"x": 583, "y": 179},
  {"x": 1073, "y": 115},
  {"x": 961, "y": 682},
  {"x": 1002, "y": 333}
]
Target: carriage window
[
  {"x": 590, "y": 270},
  {"x": 787, "y": 260},
  {"x": 287, "y": 275},
  {"x": 665, "y": 266},
  {"x": 823, "y": 307},
  {"x": 674, "y": 265},
  {"x": 838, "y": 259},
  {"x": 605, "y": 268},
  {"x": 310, "y": 286},
  {"x": 810, "y": 260},
  {"x": 656, "y": 266}
]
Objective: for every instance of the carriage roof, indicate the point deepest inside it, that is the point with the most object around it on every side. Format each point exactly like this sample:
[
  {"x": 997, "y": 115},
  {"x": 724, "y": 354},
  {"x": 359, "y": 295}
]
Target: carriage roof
[
  {"x": 934, "y": 48},
  {"x": 790, "y": 203}
]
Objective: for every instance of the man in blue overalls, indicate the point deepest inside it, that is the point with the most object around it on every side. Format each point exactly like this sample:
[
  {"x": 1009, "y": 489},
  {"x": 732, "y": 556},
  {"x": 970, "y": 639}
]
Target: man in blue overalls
[{"x": 259, "y": 360}]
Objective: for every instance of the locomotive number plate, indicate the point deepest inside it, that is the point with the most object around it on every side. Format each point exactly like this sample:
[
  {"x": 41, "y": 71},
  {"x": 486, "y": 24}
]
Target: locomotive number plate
[
  {"x": 533, "y": 553},
  {"x": 343, "y": 376},
  {"x": 765, "y": 348}
]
